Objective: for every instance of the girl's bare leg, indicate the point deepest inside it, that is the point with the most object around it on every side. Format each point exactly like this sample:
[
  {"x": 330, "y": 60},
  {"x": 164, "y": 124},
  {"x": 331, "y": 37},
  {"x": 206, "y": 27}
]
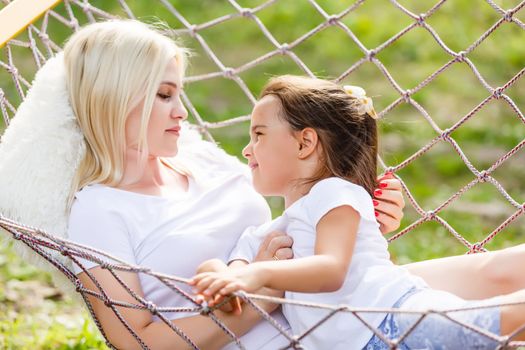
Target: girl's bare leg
[
  {"x": 475, "y": 276},
  {"x": 513, "y": 316}
]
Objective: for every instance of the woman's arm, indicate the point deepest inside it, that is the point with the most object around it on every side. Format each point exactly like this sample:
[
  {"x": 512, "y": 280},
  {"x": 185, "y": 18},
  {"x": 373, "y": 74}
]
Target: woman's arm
[
  {"x": 157, "y": 335},
  {"x": 323, "y": 272}
]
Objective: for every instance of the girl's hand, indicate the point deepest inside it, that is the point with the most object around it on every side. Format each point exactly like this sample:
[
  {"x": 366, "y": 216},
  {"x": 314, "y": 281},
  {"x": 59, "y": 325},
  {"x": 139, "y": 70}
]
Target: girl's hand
[
  {"x": 389, "y": 203},
  {"x": 212, "y": 265},
  {"x": 277, "y": 246},
  {"x": 213, "y": 285},
  {"x": 217, "y": 265}
]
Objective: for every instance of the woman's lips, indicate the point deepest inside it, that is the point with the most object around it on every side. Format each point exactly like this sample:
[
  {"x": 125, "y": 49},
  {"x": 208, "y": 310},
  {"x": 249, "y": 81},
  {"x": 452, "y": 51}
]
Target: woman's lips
[{"x": 174, "y": 130}]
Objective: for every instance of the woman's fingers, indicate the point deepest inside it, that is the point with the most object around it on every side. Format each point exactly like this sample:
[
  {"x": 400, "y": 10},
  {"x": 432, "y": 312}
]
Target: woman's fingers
[
  {"x": 389, "y": 204},
  {"x": 236, "y": 305},
  {"x": 387, "y": 223},
  {"x": 280, "y": 243},
  {"x": 271, "y": 244},
  {"x": 283, "y": 254},
  {"x": 388, "y": 208}
]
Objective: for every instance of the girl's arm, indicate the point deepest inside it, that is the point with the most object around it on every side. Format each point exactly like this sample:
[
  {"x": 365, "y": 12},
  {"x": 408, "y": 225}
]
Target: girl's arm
[
  {"x": 158, "y": 335},
  {"x": 323, "y": 272}
]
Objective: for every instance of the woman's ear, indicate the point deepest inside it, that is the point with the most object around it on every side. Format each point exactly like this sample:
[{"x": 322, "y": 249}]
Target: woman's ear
[{"x": 308, "y": 141}]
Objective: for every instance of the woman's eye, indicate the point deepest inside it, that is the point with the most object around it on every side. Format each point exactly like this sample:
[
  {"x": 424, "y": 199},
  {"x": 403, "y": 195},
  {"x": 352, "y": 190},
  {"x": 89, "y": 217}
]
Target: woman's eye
[{"x": 163, "y": 96}]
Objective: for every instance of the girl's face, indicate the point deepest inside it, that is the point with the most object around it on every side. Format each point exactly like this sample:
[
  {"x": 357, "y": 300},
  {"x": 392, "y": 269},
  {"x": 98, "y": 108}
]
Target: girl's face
[
  {"x": 273, "y": 150},
  {"x": 165, "y": 118}
]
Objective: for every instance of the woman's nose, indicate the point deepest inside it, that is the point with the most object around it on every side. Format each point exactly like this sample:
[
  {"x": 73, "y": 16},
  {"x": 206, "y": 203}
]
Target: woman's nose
[{"x": 179, "y": 111}]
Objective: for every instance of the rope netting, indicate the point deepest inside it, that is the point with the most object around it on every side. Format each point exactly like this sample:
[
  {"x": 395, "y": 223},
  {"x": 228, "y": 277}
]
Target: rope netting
[{"x": 27, "y": 52}]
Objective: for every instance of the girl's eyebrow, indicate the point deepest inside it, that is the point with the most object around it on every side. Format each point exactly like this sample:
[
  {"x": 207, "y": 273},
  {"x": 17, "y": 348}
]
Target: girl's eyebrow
[{"x": 258, "y": 126}]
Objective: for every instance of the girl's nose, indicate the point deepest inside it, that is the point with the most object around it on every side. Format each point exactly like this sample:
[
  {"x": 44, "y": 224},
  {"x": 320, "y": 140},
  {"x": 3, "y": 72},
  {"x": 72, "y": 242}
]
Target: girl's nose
[{"x": 247, "y": 151}]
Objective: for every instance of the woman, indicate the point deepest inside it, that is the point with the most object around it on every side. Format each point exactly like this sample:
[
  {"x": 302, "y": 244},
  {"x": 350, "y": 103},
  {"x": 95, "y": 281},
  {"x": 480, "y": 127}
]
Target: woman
[{"x": 132, "y": 199}]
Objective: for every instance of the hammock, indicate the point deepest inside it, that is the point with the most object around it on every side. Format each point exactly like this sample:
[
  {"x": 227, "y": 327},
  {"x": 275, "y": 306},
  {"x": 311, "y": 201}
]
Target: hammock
[{"x": 26, "y": 213}]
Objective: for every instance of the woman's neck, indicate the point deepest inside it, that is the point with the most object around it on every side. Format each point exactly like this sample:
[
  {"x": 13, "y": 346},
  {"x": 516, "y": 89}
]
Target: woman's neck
[{"x": 152, "y": 176}]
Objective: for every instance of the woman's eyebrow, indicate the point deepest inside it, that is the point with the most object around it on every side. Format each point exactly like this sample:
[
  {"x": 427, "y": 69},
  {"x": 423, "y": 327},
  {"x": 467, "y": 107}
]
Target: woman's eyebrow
[{"x": 170, "y": 83}]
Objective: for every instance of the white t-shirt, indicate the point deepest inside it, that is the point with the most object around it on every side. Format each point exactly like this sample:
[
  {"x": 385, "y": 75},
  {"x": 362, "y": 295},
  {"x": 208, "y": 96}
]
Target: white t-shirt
[
  {"x": 175, "y": 235},
  {"x": 372, "y": 279}
]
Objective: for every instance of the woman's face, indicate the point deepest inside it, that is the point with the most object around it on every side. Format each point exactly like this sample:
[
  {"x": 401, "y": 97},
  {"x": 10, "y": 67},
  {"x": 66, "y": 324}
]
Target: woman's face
[
  {"x": 166, "y": 116},
  {"x": 273, "y": 149}
]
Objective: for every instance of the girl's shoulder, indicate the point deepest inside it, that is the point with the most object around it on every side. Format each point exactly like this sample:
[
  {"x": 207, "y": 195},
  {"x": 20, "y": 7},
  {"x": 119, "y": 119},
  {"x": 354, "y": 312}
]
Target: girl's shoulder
[
  {"x": 334, "y": 192},
  {"x": 332, "y": 185}
]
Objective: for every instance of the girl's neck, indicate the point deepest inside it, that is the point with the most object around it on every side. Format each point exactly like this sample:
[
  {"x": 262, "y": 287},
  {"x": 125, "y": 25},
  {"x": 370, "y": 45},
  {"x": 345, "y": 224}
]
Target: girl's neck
[{"x": 296, "y": 192}]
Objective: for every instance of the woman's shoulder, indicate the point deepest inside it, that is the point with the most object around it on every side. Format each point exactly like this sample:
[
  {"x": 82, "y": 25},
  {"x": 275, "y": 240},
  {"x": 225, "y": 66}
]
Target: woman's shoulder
[{"x": 99, "y": 199}]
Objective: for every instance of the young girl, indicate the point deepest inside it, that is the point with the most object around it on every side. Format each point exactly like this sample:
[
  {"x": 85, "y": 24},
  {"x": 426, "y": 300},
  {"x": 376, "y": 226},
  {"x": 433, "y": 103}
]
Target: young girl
[{"x": 315, "y": 144}]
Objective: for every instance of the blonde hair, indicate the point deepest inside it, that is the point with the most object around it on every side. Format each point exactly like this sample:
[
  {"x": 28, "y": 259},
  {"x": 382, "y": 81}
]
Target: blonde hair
[{"x": 110, "y": 67}]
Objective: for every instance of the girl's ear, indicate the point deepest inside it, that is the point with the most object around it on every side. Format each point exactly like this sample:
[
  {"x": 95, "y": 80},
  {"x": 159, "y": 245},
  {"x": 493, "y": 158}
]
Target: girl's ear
[{"x": 308, "y": 141}]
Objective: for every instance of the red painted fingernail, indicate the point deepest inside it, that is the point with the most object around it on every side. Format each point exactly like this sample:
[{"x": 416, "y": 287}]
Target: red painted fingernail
[
  {"x": 378, "y": 193},
  {"x": 376, "y": 213},
  {"x": 383, "y": 184},
  {"x": 376, "y": 203}
]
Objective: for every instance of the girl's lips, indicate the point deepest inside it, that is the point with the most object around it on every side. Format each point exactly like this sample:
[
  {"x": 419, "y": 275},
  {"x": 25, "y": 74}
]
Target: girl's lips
[{"x": 253, "y": 165}]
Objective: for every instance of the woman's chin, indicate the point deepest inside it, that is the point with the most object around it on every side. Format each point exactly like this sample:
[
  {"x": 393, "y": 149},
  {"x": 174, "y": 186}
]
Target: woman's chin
[{"x": 168, "y": 153}]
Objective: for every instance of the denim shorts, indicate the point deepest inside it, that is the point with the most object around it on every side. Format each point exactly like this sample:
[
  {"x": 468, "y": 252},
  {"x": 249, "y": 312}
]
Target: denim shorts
[{"x": 436, "y": 332}]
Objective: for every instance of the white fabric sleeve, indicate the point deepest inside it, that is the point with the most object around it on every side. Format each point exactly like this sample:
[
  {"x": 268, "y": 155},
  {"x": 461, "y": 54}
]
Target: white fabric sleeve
[
  {"x": 331, "y": 193},
  {"x": 248, "y": 245},
  {"x": 99, "y": 228}
]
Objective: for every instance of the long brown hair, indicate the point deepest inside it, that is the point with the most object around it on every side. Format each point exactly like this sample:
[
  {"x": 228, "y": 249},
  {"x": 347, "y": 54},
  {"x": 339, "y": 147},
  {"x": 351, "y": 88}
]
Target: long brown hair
[{"x": 348, "y": 139}]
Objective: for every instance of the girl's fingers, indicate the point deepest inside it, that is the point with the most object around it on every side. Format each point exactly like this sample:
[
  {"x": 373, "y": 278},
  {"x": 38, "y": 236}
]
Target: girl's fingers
[
  {"x": 202, "y": 284},
  {"x": 214, "y": 287},
  {"x": 230, "y": 288}
]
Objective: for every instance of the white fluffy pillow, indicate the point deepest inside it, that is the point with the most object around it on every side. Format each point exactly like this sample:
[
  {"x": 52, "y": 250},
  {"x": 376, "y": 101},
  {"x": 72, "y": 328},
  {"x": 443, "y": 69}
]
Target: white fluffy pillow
[{"x": 39, "y": 154}]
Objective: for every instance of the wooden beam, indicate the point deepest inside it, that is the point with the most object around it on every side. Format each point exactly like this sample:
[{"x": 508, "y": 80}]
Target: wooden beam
[{"x": 19, "y": 14}]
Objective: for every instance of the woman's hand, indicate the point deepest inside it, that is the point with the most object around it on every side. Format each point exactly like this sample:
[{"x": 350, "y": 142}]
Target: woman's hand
[
  {"x": 389, "y": 203},
  {"x": 277, "y": 246}
]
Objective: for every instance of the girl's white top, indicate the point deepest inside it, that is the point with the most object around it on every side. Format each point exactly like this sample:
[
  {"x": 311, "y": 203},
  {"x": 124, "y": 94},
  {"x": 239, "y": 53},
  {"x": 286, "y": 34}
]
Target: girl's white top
[
  {"x": 175, "y": 235},
  {"x": 372, "y": 279}
]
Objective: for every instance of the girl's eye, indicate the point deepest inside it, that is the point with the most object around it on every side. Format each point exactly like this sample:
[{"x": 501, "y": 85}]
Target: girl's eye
[{"x": 164, "y": 97}]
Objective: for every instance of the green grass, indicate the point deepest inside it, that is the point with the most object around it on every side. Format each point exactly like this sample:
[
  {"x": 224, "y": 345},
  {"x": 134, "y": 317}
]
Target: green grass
[{"x": 34, "y": 316}]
